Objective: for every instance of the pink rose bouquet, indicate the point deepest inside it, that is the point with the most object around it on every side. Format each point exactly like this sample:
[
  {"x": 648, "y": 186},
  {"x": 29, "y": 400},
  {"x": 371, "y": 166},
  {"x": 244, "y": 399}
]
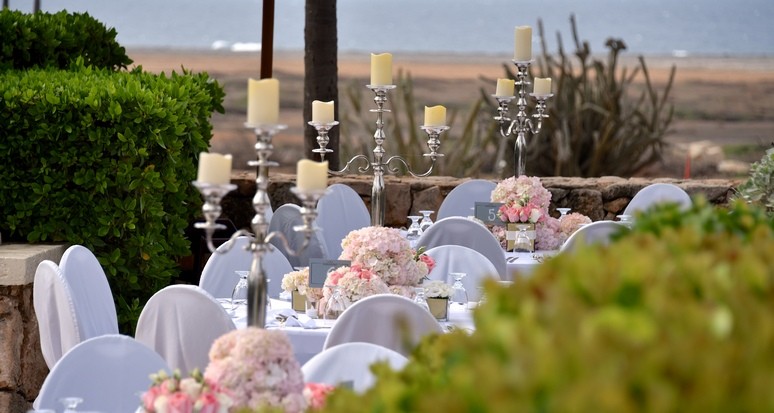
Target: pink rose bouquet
[
  {"x": 195, "y": 394},
  {"x": 524, "y": 199},
  {"x": 316, "y": 393},
  {"x": 259, "y": 370},
  {"x": 354, "y": 282}
]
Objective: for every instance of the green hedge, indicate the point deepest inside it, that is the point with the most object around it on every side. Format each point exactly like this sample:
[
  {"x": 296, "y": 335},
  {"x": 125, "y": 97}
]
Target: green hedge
[
  {"x": 57, "y": 40},
  {"x": 105, "y": 159},
  {"x": 675, "y": 322}
]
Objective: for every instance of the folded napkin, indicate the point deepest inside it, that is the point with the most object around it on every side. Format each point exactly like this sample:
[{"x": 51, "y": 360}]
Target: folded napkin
[{"x": 276, "y": 318}]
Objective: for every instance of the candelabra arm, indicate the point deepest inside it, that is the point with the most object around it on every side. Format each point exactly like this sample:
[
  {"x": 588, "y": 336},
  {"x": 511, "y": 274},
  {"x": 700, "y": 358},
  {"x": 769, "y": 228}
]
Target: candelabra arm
[
  {"x": 362, "y": 169},
  {"x": 396, "y": 170}
]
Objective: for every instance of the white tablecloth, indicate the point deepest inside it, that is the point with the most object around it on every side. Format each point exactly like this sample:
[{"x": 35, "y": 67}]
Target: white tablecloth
[
  {"x": 307, "y": 342},
  {"x": 520, "y": 264}
]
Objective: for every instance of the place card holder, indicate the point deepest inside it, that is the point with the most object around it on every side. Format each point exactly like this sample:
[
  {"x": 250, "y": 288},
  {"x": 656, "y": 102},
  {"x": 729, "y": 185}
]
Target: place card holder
[
  {"x": 319, "y": 269},
  {"x": 487, "y": 212}
]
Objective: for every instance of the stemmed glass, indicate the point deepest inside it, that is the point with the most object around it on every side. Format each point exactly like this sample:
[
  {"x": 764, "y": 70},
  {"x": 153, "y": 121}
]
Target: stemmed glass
[
  {"x": 70, "y": 403},
  {"x": 239, "y": 294},
  {"x": 522, "y": 243},
  {"x": 426, "y": 220},
  {"x": 335, "y": 305},
  {"x": 459, "y": 295},
  {"x": 414, "y": 231},
  {"x": 563, "y": 211},
  {"x": 627, "y": 220},
  {"x": 419, "y": 298}
]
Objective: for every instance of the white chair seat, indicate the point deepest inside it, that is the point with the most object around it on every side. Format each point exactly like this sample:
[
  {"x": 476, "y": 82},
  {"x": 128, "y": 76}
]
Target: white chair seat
[
  {"x": 655, "y": 194},
  {"x": 340, "y": 212},
  {"x": 599, "y": 232},
  {"x": 180, "y": 322},
  {"x": 350, "y": 363},
  {"x": 285, "y": 218},
  {"x": 456, "y": 258},
  {"x": 460, "y": 202},
  {"x": 54, "y": 310}
]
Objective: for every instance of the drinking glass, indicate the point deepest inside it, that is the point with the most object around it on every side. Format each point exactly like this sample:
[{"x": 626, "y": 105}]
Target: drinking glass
[
  {"x": 522, "y": 243},
  {"x": 563, "y": 211},
  {"x": 336, "y": 304},
  {"x": 239, "y": 294},
  {"x": 70, "y": 403},
  {"x": 419, "y": 298},
  {"x": 459, "y": 296},
  {"x": 414, "y": 231},
  {"x": 426, "y": 221},
  {"x": 627, "y": 220}
]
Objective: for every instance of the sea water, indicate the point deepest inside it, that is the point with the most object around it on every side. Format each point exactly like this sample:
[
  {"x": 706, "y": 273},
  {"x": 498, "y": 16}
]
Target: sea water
[{"x": 651, "y": 27}]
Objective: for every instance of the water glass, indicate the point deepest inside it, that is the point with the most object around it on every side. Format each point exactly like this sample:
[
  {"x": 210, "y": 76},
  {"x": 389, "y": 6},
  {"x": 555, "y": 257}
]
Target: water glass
[
  {"x": 419, "y": 298},
  {"x": 459, "y": 296},
  {"x": 239, "y": 294},
  {"x": 336, "y": 304},
  {"x": 426, "y": 221},
  {"x": 414, "y": 231},
  {"x": 563, "y": 211},
  {"x": 523, "y": 243}
]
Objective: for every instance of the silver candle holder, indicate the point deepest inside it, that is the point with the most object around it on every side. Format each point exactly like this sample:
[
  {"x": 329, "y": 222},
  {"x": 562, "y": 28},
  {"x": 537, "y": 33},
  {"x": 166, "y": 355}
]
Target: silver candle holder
[
  {"x": 522, "y": 124},
  {"x": 260, "y": 238},
  {"x": 377, "y": 163}
]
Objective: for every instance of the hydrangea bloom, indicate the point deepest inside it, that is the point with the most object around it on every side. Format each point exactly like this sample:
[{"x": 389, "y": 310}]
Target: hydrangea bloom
[
  {"x": 193, "y": 394},
  {"x": 258, "y": 367},
  {"x": 524, "y": 199},
  {"x": 548, "y": 234},
  {"x": 571, "y": 222},
  {"x": 355, "y": 282}
]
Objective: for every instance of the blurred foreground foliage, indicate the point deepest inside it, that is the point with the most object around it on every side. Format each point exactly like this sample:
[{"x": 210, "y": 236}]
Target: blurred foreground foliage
[{"x": 674, "y": 317}]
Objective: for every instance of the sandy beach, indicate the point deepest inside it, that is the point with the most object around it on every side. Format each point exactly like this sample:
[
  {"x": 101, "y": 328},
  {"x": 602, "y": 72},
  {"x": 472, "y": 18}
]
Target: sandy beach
[{"x": 724, "y": 107}]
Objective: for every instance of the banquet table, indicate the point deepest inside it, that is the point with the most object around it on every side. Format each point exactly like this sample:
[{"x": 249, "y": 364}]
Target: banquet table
[
  {"x": 308, "y": 341},
  {"x": 521, "y": 264}
]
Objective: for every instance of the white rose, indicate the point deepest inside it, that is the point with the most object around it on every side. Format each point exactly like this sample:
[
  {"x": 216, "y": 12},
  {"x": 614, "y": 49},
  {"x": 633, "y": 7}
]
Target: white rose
[{"x": 535, "y": 215}]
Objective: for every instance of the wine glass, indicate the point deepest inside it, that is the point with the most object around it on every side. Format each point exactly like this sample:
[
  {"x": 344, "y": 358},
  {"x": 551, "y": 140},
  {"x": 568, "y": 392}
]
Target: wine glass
[
  {"x": 426, "y": 221},
  {"x": 414, "y": 231},
  {"x": 70, "y": 403},
  {"x": 563, "y": 211},
  {"x": 239, "y": 294},
  {"x": 419, "y": 298},
  {"x": 459, "y": 295},
  {"x": 336, "y": 304},
  {"x": 522, "y": 243}
]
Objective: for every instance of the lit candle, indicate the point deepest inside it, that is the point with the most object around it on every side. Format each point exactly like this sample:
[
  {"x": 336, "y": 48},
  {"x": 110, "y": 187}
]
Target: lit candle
[
  {"x": 322, "y": 112},
  {"x": 542, "y": 86},
  {"x": 522, "y": 50},
  {"x": 214, "y": 168},
  {"x": 504, "y": 87},
  {"x": 435, "y": 115},
  {"x": 262, "y": 101},
  {"x": 381, "y": 69},
  {"x": 311, "y": 175}
]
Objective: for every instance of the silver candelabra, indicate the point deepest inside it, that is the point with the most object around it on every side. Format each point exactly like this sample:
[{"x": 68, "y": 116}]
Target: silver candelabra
[
  {"x": 522, "y": 124},
  {"x": 257, "y": 288},
  {"x": 377, "y": 163}
]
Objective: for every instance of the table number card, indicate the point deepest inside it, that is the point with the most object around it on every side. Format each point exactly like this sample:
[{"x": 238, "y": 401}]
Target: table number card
[
  {"x": 319, "y": 269},
  {"x": 487, "y": 212}
]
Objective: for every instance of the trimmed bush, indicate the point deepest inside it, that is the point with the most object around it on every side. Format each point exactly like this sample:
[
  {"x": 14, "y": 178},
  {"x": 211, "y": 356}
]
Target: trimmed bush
[
  {"x": 105, "y": 159},
  {"x": 57, "y": 40},
  {"x": 679, "y": 322}
]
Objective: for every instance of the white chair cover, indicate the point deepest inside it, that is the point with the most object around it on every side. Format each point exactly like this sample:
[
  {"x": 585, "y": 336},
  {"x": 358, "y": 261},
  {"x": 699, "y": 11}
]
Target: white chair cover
[
  {"x": 109, "y": 372},
  {"x": 92, "y": 299},
  {"x": 219, "y": 273},
  {"x": 285, "y": 218},
  {"x": 180, "y": 322},
  {"x": 54, "y": 310},
  {"x": 339, "y": 212},
  {"x": 599, "y": 232},
  {"x": 390, "y": 320},
  {"x": 658, "y": 193},
  {"x": 462, "y": 199},
  {"x": 468, "y": 233},
  {"x": 350, "y": 362},
  {"x": 456, "y": 258}
]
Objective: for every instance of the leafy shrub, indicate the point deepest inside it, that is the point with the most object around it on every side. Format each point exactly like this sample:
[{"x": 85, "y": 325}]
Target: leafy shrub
[
  {"x": 679, "y": 322},
  {"x": 105, "y": 159},
  {"x": 57, "y": 40},
  {"x": 759, "y": 188},
  {"x": 596, "y": 126}
]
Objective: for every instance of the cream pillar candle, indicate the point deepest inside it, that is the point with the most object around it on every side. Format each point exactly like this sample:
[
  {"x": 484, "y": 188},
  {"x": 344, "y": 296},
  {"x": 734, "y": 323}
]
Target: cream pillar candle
[
  {"x": 542, "y": 86},
  {"x": 262, "y": 101},
  {"x": 522, "y": 50},
  {"x": 322, "y": 112},
  {"x": 381, "y": 69},
  {"x": 311, "y": 175},
  {"x": 214, "y": 168},
  {"x": 504, "y": 87},
  {"x": 435, "y": 116}
]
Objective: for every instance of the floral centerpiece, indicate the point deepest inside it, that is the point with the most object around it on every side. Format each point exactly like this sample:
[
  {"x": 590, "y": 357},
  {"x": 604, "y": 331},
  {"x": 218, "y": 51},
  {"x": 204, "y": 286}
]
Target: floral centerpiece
[
  {"x": 193, "y": 394},
  {"x": 525, "y": 204},
  {"x": 297, "y": 284},
  {"x": 259, "y": 370},
  {"x": 387, "y": 254},
  {"x": 354, "y": 283},
  {"x": 437, "y": 293},
  {"x": 316, "y": 394}
]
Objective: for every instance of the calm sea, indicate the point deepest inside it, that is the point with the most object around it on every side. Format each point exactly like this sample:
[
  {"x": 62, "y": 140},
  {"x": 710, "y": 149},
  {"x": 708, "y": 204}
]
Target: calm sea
[{"x": 651, "y": 27}]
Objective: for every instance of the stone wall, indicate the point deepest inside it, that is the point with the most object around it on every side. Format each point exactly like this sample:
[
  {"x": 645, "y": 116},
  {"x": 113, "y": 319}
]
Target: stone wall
[
  {"x": 598, "y": 198},
  {"x": 22, "y": 367}
]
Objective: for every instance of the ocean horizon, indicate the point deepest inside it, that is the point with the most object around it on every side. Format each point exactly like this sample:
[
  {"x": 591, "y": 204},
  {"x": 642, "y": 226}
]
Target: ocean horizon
[{"x": 656, "y": 27}]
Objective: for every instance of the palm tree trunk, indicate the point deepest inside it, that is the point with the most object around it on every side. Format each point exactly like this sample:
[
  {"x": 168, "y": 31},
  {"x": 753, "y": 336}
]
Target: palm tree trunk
[
  {"x": 36, "y": 7},
  {"x": 321, "y": 73}
]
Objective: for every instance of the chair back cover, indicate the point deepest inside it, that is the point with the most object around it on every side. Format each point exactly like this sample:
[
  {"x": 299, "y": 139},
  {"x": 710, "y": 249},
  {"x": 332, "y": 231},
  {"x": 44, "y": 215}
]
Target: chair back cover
[
  {"x": 219, "y": 273},
  {"x": 180, "y": 322},
  {"x": 285, "y": 218},
  {"x": 93, "y": 302},
  {"x": 462, "y": 199},
  {"x": 54, "y": 310},
  {"x": 108, "y": 372},
  {"x": 390, "y": 320},
  {"x": 658, "y": 193},
  {"x": 599, "y": 232},
  {"x": 339, "y": 212},
  {"x": 456, "y": 258},
  {"x": 468, "y": 233},
  {"x": 350, "y": 362}
]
